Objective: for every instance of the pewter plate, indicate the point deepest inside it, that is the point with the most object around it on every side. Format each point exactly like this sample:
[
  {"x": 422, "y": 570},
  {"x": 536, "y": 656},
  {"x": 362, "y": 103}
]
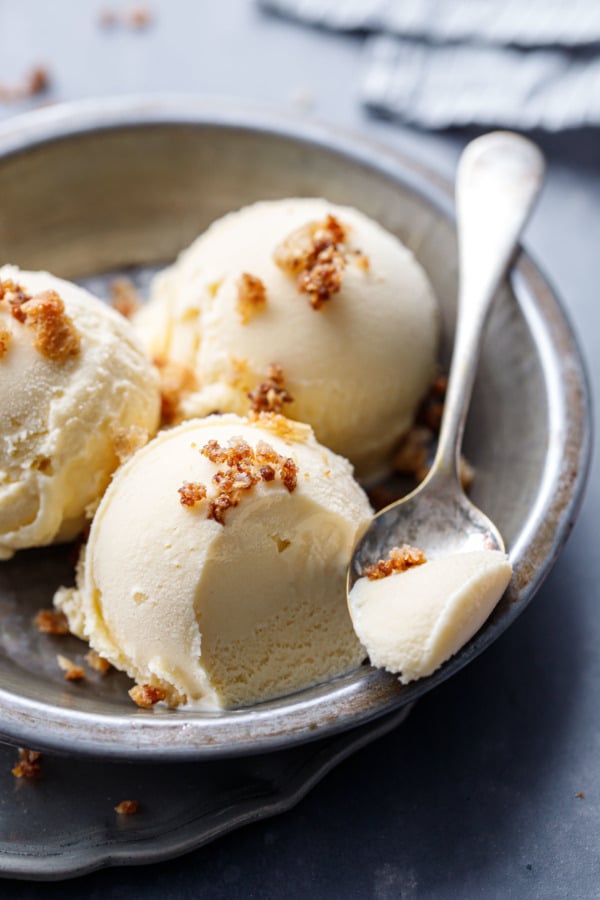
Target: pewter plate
[{"x": 95, "y": 187}]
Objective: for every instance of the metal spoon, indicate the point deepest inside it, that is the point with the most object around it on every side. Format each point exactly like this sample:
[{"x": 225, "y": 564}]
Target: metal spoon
[{"x": 498, "y": 180}]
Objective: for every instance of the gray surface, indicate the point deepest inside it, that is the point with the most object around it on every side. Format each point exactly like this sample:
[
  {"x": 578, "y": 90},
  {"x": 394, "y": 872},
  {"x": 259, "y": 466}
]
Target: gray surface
[{"x": 475, "y": 796}]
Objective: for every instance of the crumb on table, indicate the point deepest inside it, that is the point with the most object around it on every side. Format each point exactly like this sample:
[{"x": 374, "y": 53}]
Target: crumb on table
[
  {"x": 35, "y": 81},
  {"x": 127, "y": 807}
]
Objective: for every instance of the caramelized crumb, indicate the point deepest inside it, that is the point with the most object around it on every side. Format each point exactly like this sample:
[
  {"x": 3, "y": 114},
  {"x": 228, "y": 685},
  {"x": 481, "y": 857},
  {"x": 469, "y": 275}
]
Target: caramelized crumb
[
  {"x": 36, "y": 81},
  {"x": 124, "y": 297},
  {"x": 361, "y": 261},
  {"x": 191, "y": 493},
  {"x": 146, "y": 695},
  {"x": 97, "y": 662},
  {"x": 72, "y": 671},
  {"x": 243, "y": 467},
  {"x": 400, "y": 559},
  {"x": 316, "y": 255},
  {"x": 29, "y": 764},
  {"x": 252, "y": 297},
  {"x": 175, "y": 380},
  {"x": 55, "y": 335},
  {"x": 15, "y": 295},
  {"x": 5, "y": 338},
  {"x": 270, "y": 395},
  {"x": 107, "y": 18},
  {"x": 127, "y": 807},
  {"x": 127, "y": 441},
  {"x": 51, "y": 621},
  {"x": 139, "y": 17}
]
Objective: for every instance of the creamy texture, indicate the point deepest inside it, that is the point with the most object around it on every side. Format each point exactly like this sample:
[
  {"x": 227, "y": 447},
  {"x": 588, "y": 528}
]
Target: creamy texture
[
  {"x": 411, "y": 622},
  {"x": 60, "y": 418},
  {"x": 356, "y": 368},
  {"x": 222, "y": 615}
]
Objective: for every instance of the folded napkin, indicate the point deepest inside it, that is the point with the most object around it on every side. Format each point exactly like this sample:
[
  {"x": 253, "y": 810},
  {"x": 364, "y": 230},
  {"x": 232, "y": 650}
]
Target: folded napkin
[{"x": 442, "y": 63}]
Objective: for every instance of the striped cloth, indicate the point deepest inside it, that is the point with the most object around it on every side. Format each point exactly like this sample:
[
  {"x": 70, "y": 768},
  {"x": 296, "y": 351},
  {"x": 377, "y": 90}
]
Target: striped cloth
[{"x": 443, "y": 63}]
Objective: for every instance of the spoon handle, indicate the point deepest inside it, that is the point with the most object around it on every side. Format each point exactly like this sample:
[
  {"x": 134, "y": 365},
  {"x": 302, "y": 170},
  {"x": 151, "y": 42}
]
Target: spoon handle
[{"x": 498, "y": 179}]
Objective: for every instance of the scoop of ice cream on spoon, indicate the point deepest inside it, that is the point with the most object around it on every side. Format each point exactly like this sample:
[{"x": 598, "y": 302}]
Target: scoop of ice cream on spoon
[{"x": 413, "y": 610}]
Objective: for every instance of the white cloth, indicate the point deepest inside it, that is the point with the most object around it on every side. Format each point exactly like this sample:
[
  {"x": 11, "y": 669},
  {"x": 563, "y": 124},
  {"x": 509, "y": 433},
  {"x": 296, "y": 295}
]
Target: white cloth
[{"x": 442, "y": 63}]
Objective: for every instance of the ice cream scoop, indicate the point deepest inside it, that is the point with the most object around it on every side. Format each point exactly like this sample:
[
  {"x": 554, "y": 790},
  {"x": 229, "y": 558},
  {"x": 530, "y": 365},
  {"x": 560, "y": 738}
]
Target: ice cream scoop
[
  {"x": 215, "y": 569},
  {"x": 76, "y": 394},
  {"x": 498, "y": 180},
  {"x": 319, "y": 294}
]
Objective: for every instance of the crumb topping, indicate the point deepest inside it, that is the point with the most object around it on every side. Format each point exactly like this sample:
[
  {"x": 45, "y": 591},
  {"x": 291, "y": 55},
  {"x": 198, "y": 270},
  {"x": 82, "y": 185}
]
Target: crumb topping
[
  {"x": 191, "y": 493},
  {"x": 124, "y": 297},
  {"x": 400, "y": 559},
  {"x": 175, "y": 380},
  {"x": 146, "y": 695},
  {"x": 72, "y": 671},
  {"x": 29, "y": 764},
  {"x": 55, "y": 335},
  {"x": 5, "y": 338},
  {"x": 128, "y": 440},
  {"x": 252, "y": 297},
  {"x": 242, "y": 466},
  {"x": 97, "y": 662},
  {"x": 316, "y": 254},
  {"x": 127, "y": 808},
  {"x": 54, "y": 332},
  {"x": 270, "y": 395},
  {"x": 51, "y": 621},
  {"x": 287, "y": 429},
  {"x": 14, "y": 295}
]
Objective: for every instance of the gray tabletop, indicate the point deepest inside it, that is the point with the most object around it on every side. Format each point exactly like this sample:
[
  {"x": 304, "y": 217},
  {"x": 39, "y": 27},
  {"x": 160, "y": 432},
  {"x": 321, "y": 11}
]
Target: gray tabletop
[{"x": 491, "y": 788}]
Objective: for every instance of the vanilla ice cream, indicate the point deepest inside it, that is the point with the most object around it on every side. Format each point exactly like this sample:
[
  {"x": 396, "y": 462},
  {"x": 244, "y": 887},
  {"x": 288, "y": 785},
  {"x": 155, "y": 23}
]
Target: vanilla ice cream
[
  {"x": 338, "y": 303},
  {"x": 216, "y": 564},
  {"x": 411, "y": 622},
  {"x": 75, "y": 389}
]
